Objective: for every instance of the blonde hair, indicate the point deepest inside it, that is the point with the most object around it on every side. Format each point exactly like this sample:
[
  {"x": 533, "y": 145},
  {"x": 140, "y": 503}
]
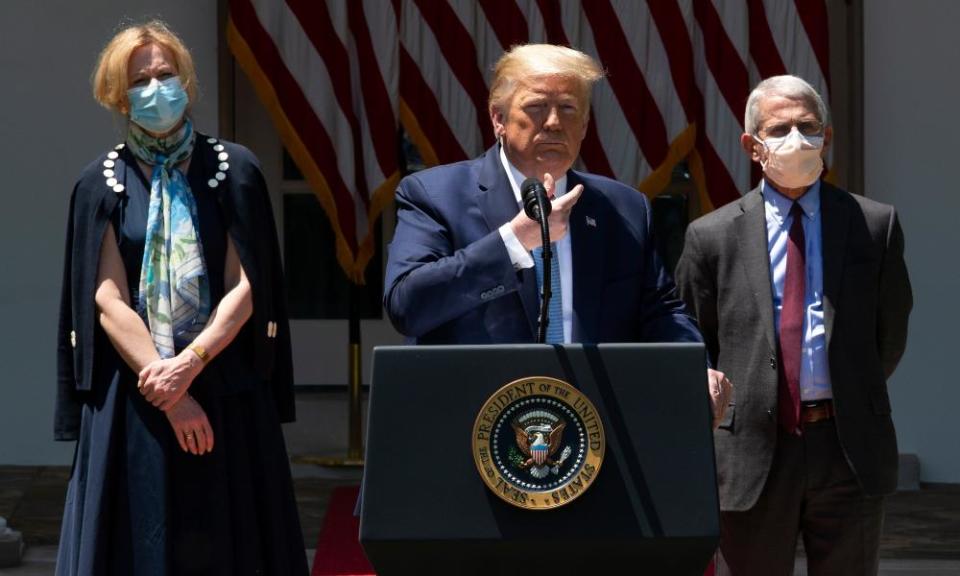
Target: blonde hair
[
  {"x": 110, "y": 75},
  {"x": 539, "y": 60}
]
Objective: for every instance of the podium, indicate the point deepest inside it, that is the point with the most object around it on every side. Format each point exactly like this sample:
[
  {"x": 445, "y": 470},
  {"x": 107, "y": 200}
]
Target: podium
[{"x": 651, "y": 508}]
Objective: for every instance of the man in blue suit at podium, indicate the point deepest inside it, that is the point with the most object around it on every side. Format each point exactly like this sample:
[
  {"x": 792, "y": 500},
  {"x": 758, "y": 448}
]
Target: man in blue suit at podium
[{"x": 465, "y": 264}]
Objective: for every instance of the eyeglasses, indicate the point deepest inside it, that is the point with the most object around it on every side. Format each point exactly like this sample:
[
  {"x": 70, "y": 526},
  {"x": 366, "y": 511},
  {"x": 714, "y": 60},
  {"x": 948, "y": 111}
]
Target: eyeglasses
[{"x": 807, "y": 128}]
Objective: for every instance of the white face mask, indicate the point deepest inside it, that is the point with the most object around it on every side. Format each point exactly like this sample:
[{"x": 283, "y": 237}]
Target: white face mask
[{"x": 792, "y": 161}]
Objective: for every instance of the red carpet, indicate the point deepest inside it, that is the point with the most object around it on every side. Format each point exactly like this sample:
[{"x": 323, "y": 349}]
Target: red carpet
[{"x": 338, "y": 550}]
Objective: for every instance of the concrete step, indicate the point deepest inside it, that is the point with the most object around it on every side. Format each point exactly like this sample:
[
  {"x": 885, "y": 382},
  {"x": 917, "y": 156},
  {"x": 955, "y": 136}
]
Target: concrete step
[{"x": 41, "y": 561}]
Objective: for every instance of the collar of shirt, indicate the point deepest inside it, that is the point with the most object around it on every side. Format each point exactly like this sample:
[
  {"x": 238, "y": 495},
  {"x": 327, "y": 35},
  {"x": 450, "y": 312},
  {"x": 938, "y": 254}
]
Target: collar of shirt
[
  {"x": 778, "y": 206},
  {"x": 516, "y": 177}
]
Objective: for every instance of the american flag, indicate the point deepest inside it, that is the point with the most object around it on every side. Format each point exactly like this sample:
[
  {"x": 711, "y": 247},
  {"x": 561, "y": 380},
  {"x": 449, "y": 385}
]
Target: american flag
[{"x": 340, "y": 76}]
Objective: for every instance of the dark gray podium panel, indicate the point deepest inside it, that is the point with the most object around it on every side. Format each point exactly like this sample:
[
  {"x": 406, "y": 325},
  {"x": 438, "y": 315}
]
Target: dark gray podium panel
[{"x": 653, "y": 507}]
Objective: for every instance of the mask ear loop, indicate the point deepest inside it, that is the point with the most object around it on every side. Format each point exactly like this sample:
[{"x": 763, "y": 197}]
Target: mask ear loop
[{"x": 765, "y": 150}]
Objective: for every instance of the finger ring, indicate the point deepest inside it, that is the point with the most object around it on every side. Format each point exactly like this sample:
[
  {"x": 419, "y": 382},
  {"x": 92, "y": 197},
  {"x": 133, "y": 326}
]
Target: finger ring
[{"x": 188, "y": 435}]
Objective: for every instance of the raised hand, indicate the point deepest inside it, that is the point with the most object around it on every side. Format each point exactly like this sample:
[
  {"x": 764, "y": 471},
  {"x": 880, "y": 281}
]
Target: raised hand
[{"x": 527, "y": 229}]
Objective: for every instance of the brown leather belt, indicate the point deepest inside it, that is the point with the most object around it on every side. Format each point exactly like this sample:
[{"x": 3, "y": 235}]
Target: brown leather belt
[{"x": 816, "y": 411}]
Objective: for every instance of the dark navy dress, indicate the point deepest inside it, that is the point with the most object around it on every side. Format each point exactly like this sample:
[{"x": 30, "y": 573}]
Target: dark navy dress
[{"x": 137, "y": 505}]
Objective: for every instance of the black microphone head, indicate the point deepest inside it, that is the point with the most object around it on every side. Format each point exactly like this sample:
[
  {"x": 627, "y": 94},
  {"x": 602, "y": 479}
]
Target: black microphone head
[{"x": 529, "y": 191}]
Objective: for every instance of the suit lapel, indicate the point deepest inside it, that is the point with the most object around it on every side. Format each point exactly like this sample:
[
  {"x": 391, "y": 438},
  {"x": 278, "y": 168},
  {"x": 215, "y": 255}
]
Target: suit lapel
[
  {"x": 498, "y": 206},
  {"x": 586, "y": 241},
  {"x": 751, "y": 227},
  {"x": 494, "y": 195},
  {"x": 833, "y": 231}
]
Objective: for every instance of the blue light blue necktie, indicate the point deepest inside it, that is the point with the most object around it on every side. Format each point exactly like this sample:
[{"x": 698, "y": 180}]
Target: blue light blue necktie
[{"x": 555, "y": 311}]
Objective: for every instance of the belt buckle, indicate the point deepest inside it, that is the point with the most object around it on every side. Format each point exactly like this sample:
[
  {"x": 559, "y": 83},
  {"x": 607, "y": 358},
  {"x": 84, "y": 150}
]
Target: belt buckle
[{"x": 816, "y": 411}]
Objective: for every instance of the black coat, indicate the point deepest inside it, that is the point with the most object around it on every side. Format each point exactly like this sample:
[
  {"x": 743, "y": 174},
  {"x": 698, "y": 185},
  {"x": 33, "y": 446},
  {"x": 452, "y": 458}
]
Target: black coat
[{"x": 246, "y": 212}]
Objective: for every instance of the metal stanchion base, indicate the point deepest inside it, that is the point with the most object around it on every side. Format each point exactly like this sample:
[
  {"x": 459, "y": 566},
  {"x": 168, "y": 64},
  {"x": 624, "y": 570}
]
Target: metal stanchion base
[
  {"x": 354, "y": 456},
  {"x": 331, "y": 462}
]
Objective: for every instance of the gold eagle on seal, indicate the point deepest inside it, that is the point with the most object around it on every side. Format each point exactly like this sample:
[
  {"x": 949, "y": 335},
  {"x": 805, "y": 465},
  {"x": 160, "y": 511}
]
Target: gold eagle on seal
[{"x": 539, "y": 443}]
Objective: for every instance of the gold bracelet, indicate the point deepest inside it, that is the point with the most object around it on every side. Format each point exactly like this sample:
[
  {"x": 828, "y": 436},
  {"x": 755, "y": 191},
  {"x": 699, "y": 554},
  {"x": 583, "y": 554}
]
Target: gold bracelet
[{"x": 200, "y": 352}]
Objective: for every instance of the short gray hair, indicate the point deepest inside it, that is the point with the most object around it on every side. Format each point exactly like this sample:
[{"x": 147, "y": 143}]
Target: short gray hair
[{"x": 787, "y": 86}]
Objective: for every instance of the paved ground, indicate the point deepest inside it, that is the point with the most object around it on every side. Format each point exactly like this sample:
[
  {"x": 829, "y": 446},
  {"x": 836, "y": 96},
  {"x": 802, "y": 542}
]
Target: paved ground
[
  {"x": 921, "y": 533},
  {"x": 31, "y": 497}
]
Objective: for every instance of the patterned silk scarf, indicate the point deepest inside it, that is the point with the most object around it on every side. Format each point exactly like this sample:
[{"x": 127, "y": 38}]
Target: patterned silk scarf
[{"x": 174, "y": 292}]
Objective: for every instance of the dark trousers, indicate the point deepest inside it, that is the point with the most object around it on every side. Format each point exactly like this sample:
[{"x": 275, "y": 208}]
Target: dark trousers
[{"x": 810, "y": 491}]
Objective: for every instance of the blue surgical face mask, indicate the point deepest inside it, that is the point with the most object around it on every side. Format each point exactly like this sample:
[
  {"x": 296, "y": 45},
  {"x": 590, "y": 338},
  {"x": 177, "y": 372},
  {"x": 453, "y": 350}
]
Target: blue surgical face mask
[{"x": 158, "y": 106}]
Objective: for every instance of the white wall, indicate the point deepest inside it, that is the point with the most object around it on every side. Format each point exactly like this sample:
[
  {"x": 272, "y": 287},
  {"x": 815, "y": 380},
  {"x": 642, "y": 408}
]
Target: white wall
[
  {"x": 50, "y": 128},
  {"x": 911, "y": 120}
]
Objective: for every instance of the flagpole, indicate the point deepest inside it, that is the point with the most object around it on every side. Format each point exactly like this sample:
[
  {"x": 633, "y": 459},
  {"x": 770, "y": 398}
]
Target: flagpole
[
  {"x": 354, "y": 457},
  {"x": 355, "y": 431}
]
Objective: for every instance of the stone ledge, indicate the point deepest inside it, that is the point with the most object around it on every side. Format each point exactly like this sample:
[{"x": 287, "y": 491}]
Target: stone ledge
[{"x": 11, "y": 546}]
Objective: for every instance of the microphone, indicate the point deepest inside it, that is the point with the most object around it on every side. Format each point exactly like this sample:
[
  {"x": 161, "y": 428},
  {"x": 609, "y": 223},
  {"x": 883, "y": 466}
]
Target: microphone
[
  {"x": 530, "y": 191},
  {"x": 535, "y": 203}
]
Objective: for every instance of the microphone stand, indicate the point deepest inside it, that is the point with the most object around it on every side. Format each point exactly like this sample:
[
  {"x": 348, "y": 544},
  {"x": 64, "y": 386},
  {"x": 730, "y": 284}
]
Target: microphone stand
[{"x": 547, "y": 261}]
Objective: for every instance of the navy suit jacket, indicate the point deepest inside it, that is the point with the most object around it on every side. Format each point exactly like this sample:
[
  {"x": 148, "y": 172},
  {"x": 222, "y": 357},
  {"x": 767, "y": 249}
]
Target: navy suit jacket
[{"x": 450, "y": 279}]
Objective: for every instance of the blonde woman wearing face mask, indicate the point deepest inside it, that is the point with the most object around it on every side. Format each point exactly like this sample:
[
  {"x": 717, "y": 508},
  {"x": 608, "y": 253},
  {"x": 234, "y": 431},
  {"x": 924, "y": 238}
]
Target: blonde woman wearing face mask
[
  {"x": 803, "y": 298},
  {"x": 174, "y": 354}
]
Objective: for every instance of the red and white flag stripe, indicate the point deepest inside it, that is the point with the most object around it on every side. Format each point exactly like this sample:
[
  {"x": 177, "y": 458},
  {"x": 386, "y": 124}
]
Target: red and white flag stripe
[{"x": 338, "y": 76}]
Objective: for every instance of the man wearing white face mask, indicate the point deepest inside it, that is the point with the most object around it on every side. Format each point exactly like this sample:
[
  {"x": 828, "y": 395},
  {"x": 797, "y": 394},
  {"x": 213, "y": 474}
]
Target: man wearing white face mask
[{"x": 802, "y": 295}]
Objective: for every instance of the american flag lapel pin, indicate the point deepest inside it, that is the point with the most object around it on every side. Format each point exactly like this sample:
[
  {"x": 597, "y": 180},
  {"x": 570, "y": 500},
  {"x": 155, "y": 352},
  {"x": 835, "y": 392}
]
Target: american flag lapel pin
[{"x": 591, "y": 221}]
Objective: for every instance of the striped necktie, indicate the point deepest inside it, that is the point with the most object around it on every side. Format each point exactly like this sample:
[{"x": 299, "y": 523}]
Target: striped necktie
[{"x": 555, "y": 311}]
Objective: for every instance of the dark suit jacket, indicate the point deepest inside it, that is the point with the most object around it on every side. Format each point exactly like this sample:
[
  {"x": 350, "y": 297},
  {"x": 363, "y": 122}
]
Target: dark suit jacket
[
  {"x": 724, "y": 276},
  {"x": 450, "y": 279}
]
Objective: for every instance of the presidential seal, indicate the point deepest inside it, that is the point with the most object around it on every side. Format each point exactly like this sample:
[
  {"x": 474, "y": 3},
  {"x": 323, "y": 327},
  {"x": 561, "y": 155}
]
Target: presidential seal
[{"x": 538, "y": 443}]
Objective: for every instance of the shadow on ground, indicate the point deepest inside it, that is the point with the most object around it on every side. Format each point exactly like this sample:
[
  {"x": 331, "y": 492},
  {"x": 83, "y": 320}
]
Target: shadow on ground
[
  {"x": 922, "y": 524},
  {"x": 31, "y": 499}
]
